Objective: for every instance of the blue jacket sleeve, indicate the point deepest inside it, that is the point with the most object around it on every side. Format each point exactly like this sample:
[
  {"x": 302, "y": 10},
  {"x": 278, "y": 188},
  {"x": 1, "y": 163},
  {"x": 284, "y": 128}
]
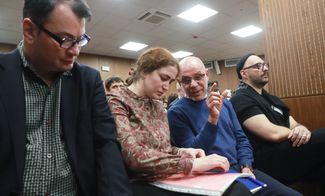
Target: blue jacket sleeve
[
  {"x": 184, "y": 133},
  {"x": 244, "y": 148}
]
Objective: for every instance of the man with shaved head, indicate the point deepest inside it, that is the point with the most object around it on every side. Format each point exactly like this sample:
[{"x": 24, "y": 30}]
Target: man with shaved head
[
  {"x": 206, "y": 119},
  {"x": 283, "y": 148}
]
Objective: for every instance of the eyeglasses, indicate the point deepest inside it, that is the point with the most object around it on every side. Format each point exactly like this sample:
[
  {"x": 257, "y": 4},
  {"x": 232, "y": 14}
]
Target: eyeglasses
[
  {"x": 66, "y": 42},
  {"x": 258, "y": 66},
  {"x": 188, "y": 80}
]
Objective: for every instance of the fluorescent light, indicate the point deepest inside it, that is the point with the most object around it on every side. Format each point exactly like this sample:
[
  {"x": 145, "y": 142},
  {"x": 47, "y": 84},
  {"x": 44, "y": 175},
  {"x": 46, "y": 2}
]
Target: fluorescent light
[
  {"x": 181, "y": 54},
  {"x": 197, "y": 13},
  {"x": 134, "y": 46},
  {"x": 247, "y": 31}
]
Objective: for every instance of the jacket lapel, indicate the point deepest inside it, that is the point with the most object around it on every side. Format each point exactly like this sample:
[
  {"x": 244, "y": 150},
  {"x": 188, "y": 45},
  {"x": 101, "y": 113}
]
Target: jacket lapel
[
  {"x": 13, "y": 100},
  {"x": 69, "y": 110}
]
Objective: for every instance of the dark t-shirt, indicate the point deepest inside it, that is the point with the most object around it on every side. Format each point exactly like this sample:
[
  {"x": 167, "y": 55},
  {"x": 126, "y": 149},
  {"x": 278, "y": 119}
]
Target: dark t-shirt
[{"x": 247, "y": 103}]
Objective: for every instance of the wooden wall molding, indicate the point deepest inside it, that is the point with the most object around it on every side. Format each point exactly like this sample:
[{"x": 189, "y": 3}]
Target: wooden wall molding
[
  {"x": 309, "y": 111},
  {"x": 294, "y": 46}
]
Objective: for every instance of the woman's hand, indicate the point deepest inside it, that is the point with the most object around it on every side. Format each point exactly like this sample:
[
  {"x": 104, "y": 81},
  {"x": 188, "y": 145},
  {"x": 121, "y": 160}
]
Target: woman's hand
[
  {"x": 193, "y": 152},
  {"x": 209, "y": 162}
]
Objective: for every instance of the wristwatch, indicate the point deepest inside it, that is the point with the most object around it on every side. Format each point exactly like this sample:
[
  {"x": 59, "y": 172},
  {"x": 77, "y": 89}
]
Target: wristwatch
[{"x": 246, "y": 165}]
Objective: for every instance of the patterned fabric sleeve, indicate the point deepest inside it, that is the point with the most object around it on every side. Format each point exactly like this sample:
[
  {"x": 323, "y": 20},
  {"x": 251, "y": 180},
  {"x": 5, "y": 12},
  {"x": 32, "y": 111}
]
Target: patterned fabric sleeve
[{"x": 141, "y": 157}]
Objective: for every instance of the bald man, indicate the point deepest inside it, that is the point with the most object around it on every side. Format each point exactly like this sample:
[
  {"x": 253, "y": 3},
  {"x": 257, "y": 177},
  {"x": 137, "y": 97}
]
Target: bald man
[
  {"x": 283, "y": 148},
  {"x": 205, "y": 119}
]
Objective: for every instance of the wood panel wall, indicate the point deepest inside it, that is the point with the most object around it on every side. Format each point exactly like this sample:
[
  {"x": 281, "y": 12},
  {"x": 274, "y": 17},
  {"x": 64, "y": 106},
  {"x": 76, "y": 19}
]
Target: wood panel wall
[
  {"x": 295, "y": 48},
  {"x": 6, "y": 47},
  {"x": 308, "y": 110},
  {"x": 227, "y": 79},
  {"x": 118, "y": 66}
]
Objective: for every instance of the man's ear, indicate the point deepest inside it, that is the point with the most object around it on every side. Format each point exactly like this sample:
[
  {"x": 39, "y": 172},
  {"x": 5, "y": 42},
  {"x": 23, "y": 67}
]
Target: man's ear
[
  {"x": 243, "y": 74},
  {"x": 207, "y": 72},
  {"x": 30, "y": 30}
]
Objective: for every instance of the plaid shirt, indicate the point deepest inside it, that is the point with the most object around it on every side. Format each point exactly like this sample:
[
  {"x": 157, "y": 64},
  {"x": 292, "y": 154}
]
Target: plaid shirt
[{"x": 47, "y": 169}]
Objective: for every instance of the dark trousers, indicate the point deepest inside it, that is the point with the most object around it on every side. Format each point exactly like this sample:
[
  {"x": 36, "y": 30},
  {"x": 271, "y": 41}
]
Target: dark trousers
[
  {"x": 274, "y": 187},
  {"x": 145, "y": 189},
  {"x": 295, "y": 164}
]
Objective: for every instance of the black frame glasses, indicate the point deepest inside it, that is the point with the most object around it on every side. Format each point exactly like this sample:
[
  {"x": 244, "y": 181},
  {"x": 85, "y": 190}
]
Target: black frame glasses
[
  {"x": 65, "y": 42},
  {"x": 258, "y": 66},
  {"x": 188, "y": 80}
]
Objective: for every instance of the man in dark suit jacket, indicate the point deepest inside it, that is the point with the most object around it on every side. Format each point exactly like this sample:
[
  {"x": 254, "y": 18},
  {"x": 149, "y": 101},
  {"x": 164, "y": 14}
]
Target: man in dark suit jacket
[{"x": 57, "y": 136}]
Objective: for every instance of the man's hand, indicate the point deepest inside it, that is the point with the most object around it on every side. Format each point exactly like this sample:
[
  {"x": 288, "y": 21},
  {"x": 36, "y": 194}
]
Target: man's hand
[
  {"x": 247, "y": 170},
  {"x": 299, "y": 135},
  {"x": 192, "y": 152},
  {"x": 214, "y": 102},
  {"x": 209, "y": 162}
]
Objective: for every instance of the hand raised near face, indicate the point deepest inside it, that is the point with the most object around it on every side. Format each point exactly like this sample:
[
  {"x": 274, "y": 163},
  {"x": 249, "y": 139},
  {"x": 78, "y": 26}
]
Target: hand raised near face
[{"x": 214, "y": 102}]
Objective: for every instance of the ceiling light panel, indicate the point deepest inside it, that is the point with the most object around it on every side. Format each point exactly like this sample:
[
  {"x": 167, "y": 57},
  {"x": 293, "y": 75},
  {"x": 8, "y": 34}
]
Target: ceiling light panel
[
  {"x": 133, "y": 46},
  {"x": 197, "y": 13},
  {"x": 181, "y": 54},
  {"x": 247, "y": 31}
]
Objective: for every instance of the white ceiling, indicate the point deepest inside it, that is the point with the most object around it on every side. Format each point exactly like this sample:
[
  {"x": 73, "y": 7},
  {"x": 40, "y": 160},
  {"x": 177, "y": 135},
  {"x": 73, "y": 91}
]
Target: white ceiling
[{"x": 115, "y": 22}]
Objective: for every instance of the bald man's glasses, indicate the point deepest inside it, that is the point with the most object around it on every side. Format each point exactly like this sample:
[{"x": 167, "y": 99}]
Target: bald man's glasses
[
  {"x": 258, "y": 66},
  {"x": 185, "y": 80}
]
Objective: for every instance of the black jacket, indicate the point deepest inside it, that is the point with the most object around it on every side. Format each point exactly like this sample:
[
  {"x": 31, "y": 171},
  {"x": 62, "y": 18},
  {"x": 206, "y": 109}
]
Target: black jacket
[{"x": 88, "y": 131}]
